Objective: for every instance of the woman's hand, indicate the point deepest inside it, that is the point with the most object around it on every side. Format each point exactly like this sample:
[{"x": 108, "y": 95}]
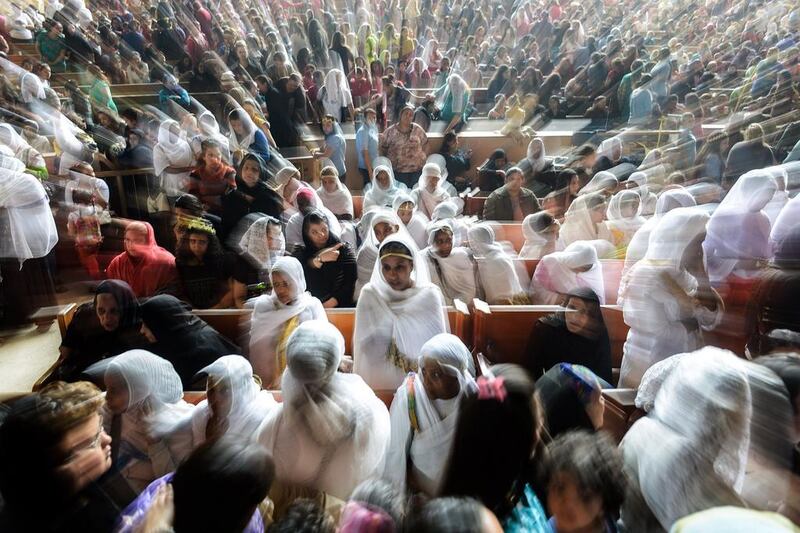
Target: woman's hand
[
  {"x": 329, "y": 255},
  {"x": 161, "y": 513}
]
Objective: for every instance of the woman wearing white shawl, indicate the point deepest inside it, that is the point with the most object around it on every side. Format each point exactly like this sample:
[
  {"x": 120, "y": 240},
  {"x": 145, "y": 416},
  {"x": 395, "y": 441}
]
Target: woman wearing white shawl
[
  {"x": 583, "y": 221},
  {"x": 23, "y": 151},
  {"x": 559, "y": 273},
  {"x": 235, "y": 406},
  {"x": 668, "y": 298},
  {"x": 173, "y": 158},
  {"x": 405, "y": 207},
  {"x": 780, "y": 198},
  {"x": 700, "y": 425},
  {"x": 398, "y": 311},
  {"x": 638, "y": 182},
  {"x": 451, "y": 265},
  {"x": 497, "y": 273},
  {"x": 143, "y": 405},
  {"x": 335, "y": 95},
  {"x": 382, "y": 223},
  {"x": 604, "y": 182},
  {"x": 624, "y": 219},
  {"x": 384, "y": 188},
  {"x": 739, "y": 229},
  {"x": 31, "y": 87},
  {"x": 449, "y": 211},
  {"x": 276, "y": 316},
  {"x": 424, "y": 413},
  {"x": 429, "y": 191},
  {"x": 787, "y": 219},
  {"x": 66, "y": 136},
  {"x": 294, "y": 228},
  {"x": 541, "y": 235},
  {"x": 334, "y": 194},
  {"x": 331, "y": 432},
  {"x": 209, "y": 129}
]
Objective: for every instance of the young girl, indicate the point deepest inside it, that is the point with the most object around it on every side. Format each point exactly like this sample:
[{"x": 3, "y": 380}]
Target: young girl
[
  {"x": 498, "y": 112},
  {"x": 204, "y": 274},
  {"x": 212, "y": 178}
]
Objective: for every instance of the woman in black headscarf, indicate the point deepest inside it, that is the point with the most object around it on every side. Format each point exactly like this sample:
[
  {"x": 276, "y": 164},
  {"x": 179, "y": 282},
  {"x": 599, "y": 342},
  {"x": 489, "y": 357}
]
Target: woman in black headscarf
[
  {"x": 491, "y": 175},
  {"x": 104, "y": 327},
  {"x": 578, "y": 336},
  {"x": 251, "y": 195},
  {"x": 328, "y": 263},
  {"x": 571, "y": 398},
  {"x": 180, "y": 337}
]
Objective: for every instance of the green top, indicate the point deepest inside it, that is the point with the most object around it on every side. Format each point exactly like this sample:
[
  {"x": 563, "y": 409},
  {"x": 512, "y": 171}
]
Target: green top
[{"x": 100, "y": 93}]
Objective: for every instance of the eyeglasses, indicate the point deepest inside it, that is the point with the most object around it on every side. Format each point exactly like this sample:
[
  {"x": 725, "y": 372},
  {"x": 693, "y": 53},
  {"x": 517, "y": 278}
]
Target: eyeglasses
[{"x": 94, "y": 443}]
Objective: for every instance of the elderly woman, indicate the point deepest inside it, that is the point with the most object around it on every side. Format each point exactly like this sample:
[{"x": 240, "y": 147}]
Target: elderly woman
[
  {"x": 143, "y": 405},
  {"x": 144, "y": 265},
  {"x": 335, "y": 96},
  {"x": 451, "y": 266},
  {"x": 331, "y": 432},
  {"x": 397, "y": 312},
  {"x": 404, "y": 144},
  {"x": 497, "y": 274},
  {"x": 424, "y": 413},
  {"x": 276, "y": 316},
  {"x": 429, "y": 191}
]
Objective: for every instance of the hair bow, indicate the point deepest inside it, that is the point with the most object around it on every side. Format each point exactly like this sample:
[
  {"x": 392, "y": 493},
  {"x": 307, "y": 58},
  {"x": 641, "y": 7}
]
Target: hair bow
[{"x": 491, "y": 388}]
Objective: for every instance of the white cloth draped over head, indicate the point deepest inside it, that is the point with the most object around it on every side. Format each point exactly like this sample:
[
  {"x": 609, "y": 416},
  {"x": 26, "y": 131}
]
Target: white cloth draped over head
[
  {"x": 781, "y": 197},
  {"x": 22, "y": 150},
  {"x": 642, "y": 188},
  {"x": 787, "y": 219},
  {"x": 210, "y": 130},
  {"x": 439, "y": 161},
  {"x": 609, "y": 146},
  {"x": 535, "y": 242},
  {"x": 701, "y": 422},
  {"x": 271, "y": 316},
  {"x": 623, "y": 226},
  {"x": 336, "y": 94},
  {"x": 255, "y": 247},
  {"x": 29, "y": 230},
  {"x": 536, "y": 146},
  {"x": 449, "y": 210},
  {"x": 428, "y": 199},
  {"x": 604, "y": 182},
  {"x": 455, "y": 87},
  {"x": 417, "y": 225},
  {"x": 427, "y": 448},
  {"x": 31, "y": 87},
  {"x": 338, "y": 202},
  {"x": 405, "y": 319},
  {"x": 496, "y": 270},
  {"x": 66, "y": 136},
  {"x": 377, "y": 196},
  {"x": 243, "y": 141},
  {"x": 558, "y": 273},
  {"x": 294, "y": 228},
  {"x": 172, "y": 151},
  {"x": 578, "y": 224},
  {"x": 738, "y": 232},
  {"x": 331, "y": 431},
  {"x": 454, "y": 274},
  {"x": 368, "y": 253},
  {"x": 659, "y": 325}
]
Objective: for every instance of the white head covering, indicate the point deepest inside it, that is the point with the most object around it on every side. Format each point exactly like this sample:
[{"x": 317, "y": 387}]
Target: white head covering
[
  {"x": 599, "y": 183},
  {"x": 578, "y": 224},
  {"x": 673, "y": 234},
  {"x": 294, "y": 227},
  {"x": 378, "y": 196},
  {"x": 368, "y": 253},
  {"x": 210, "y": 130},
  {"x": 336, "y": 94},
  {"x": 255, "y": 247},
  {"x": 456, "y": 86},
  {"x": 455, "y": 274},
  {"x": 534, "y": 241},
  {"x": 537, "y": 163},
  {"x": 627, "y": 225},
  {"x": 169, "y": 151},
  {"x": 498, "y": 275},
  {"x": 787, "y": 219},
  {"x": 555, "y": 274},
  {"x": 249, "y": 136},
  {"x": 427, "y": 199},
  {"x": 25, "y": 212},
  {"x": 642, "y": 188},
  {"x": 339, "y": 202},
  {"x": 19, "y": 146},
  {"x": 417, "y": 225},
  {"x": 147, "y": 377}
]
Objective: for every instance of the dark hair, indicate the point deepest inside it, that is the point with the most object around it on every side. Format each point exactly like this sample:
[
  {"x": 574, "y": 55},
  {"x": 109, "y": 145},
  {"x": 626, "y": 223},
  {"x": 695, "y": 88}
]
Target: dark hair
[
  {"x": 448, "y": 515},
  {"x": 220, "y": 485},
  {"x": 304, "y": 516},
  {"x": 395, "y": 247},
  {"x": 205, "y": 144},
  {"x": 787, "y": 367},
  {"x": 130, "y": 113},
  {"x": 449, "y": 138},
  {"x": 383, "y": 495},
  {"x": 236, "y": 114},
  {"x": 315, "y": 217},
  {"x": 593, "y": 462},
  {"x": 494, "y": 442},
  {"x": 214, "y": 254},
  {"x": 189, "y": 202}
]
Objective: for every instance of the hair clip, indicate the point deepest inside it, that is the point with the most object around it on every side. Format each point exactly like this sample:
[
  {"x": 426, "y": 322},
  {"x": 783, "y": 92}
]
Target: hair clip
[{"x": 491, "y": 388}]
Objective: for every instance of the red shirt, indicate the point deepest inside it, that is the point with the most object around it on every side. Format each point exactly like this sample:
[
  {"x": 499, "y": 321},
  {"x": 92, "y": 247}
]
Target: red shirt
[{"x": 359, "y": 86}]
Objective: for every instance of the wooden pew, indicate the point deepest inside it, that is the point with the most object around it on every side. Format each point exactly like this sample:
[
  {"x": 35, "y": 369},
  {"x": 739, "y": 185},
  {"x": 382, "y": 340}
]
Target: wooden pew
[
  {"x": 473, "y": 206},
  {"x": 620, "y": 412},
  {"x": 358, "y": 206}
]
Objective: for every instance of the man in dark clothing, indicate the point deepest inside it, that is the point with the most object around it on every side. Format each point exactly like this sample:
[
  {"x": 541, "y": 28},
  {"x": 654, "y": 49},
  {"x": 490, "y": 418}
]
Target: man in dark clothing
[
  {"x": 169, "y": 40},
  {"x": 511, "y": 201},
  {"x": 286, "y": 103}
]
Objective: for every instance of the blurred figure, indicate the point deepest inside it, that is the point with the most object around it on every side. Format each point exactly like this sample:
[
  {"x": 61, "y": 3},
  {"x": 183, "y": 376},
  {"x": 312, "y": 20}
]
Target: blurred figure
[
  {"x": 729, "y": 518},
  {"x": 511, "y": 201},
  {"x": 376, "y": 506},
  {"x": 450, "y": 515},
  {"x": 496, "y": 271},
  {"x": 541, "y": 235},
  {"x": 144, "y": 265},
  {"x": 382, "y": 223},
  {"x": 583, "y": 221},
  {"x": 572, "y": 399},
  {"x": 261, "y": 245}
]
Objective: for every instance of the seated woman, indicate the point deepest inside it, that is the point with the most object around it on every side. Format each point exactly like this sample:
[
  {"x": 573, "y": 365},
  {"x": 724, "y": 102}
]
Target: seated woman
[
  {"x": 211, "y": 179},
  {"x": 276, "y": 316},
  {"x": 539, "y": 176},
  {"x": 541, "y": 235},
  {"x": 424, "y": 414},
  {"x": 457, "y": 161},
  {"x": 382, "y": 223},
  {"x": 496, "y": 270},
  {"x": 571, "y": 397},
  {"x": 204, "y": 270},
  {"x": 334, "y": 194},
  {"x": 251, "y": 194},
  {"x": 143, "y": 405},
  {"x": 331, "y": 432},
  {"x": 624, "y": 219},
  {"x": 583, "y": 221},
  {"x": 453, "y": 103},
  {"x": 105, "y": 327},
  {"x": 559, "y": 273},
  {"x": 328, "y": 263},
  {"x": 305, "y": 200},
  {"x": 398, "y": 311},
  {"x": 452, "y": 267},
  {"x": 144, "y": 265},
  {"x": 448, "y": 211},
  {"x": 246, "y": 137},
  {"x": 181, "y": 338},
  {"x": 384, "y": 188},
  {"x": 260, "y": 246},
  {"x": 578, "y": 336},
  {"x": 405, "y": 207},
  {"x": 429, "y": 191}
]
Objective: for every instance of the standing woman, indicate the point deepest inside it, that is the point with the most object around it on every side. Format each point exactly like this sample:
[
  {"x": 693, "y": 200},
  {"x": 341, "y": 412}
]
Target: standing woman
[
  {"x": 275, "y": 318},
  {"x": 424, "y": 414},
  {"x": 397, "y": 312},
  {"x": 497, "y": 274},
  {"x": 404, "y": 144},
  {"x": 335, "y": 147},
  {"x": 335, "y": 96},
  {"x": 328, "y": 263},
  {"x": 173, "y": 159}
]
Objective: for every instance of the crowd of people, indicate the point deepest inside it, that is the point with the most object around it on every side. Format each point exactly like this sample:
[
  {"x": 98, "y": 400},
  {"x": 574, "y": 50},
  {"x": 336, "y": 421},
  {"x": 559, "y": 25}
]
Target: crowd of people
[{"x": 676, "y": 201}]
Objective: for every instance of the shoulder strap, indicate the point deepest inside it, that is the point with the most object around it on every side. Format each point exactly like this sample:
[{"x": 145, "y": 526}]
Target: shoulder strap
[{"x": 412, "y": 402}]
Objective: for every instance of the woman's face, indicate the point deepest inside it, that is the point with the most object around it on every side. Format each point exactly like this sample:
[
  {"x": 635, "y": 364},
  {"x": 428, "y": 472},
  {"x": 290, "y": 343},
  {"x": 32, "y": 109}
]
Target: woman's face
[
  {"x": 574, "y": 185},
  {"x": 105, "y": 121},
  {"x": 629, "y": 207},
  {"x": 135, "y": 242},
  {"x": 552, "y": 232},
  {"x": 500, "y": 162},
  {"x": 405, "y": 212},
  {"x": 117, "y": 395},
  {"x": 212, "y": 157},
  {"x": 198, "y": 245},
  {"x": 580, "y": 319},
  {"x": 219, "y": 398},
  {"x": 405, "y": 117},
  {"x": 237, "y": 126},
  {"x": 108, "y": 311},
  {"x": 251, "y": 172},
  {"x": 569, "y": 507},
  {"x": 439, "y": 383},
  {"x": 284, "y": 288},
  {"x": 383, "y": 230},
  {"x": 330, "y": 183},
  {"x": 598, "y": 213},
  {"x": 383, "y": 179},
  {"x": 431, "y": 182},
  {"x": 327, "y": 127},
  {"x": 274, "y": 237},
  {"x": 318, "y": 234},
  {"x": 397, "y": 272},
  {"x": 443, "y": 243},
  {"x": 147, "y": 334}
]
